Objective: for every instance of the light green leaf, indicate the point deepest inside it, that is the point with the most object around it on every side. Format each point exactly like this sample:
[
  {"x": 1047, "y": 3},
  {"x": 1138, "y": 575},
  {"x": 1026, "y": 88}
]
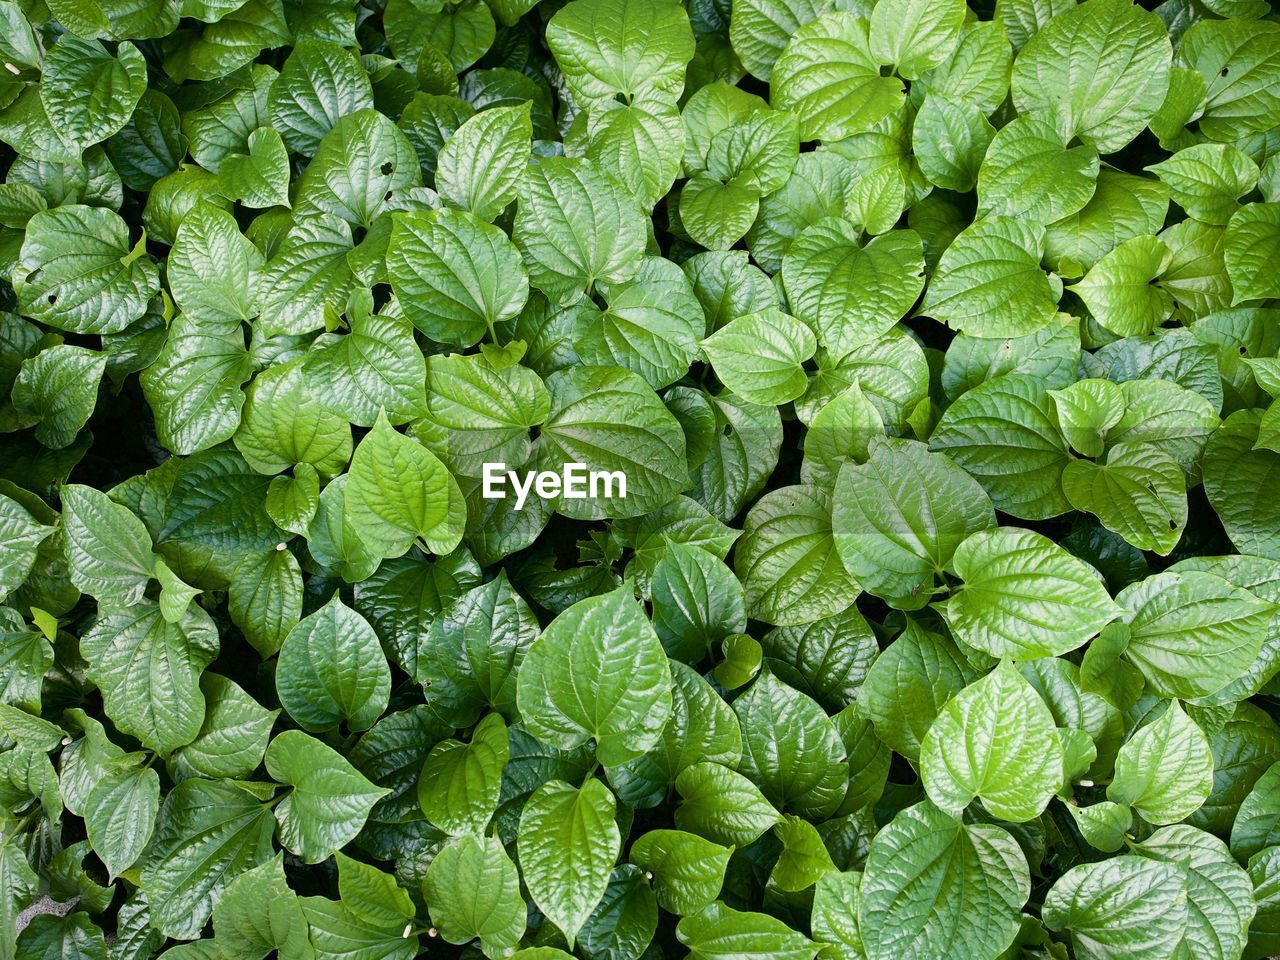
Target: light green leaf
[
  {"x": 949, "y": 140},
  {"x": 213, "y": 271},
  {"x": 332, "y": 668},
  {"x": 259, "y": 178},
  {"x": 1121, "y": 290},
  {"x": 759, "y": 356},
  {"x": 1165, "y": 770},
  {"x": 936, "y": 887},
  {"x": 716, "y": 214},
  {"x": 1128, "y": 52},
  {"x": 234, "y": 734},
  {"x": 598, "y": 672},
  {"x": 480, "y": 166},
  {"x": 1029, "y": 172},
  {"x": 721, "y": 933},
  {"x": 830, "y": 79},
  {"x": 473, "y": 890},
  {"x": 1004, "y": 433},
  {"x": 788, "y": 559},
  {"x": 994, "y": 740},
  {"x": 330, "y": 799},
  {"x": 722, "y": 805},
  {"x": 989, "y": 283},
  {"x": 1192, "y": 633},
  {"x": 916, "y": 35},
  {"x": 87, "y": 93},
  {"x": 898, "y": 518},
  {"x": 611, "y": 420},
  {"x": 687, "y": 870},
  {"x": 1024, "y": 596},
  {"x": 398, "y": 491},
  {"x": 460, "y": 782},
  {"x": 636, "y": 48},
  {"x": 1139, "y": 493},
  {"x": 1250, "y": 248},
  {"x": 375, "y": 369},
  {"x": 120, "y": 814},
  {"x": 568, "y": 844},
  {"x": 850, "y": 294},
  {"x": 1206, "y": 179}
]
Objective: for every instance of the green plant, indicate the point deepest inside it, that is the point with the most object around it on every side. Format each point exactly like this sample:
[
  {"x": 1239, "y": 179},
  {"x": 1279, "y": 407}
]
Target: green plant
[{"x": 759, "y": 479}]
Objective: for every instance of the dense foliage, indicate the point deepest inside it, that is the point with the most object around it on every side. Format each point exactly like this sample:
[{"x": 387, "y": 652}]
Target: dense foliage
[{"x": 937, "y": 348}]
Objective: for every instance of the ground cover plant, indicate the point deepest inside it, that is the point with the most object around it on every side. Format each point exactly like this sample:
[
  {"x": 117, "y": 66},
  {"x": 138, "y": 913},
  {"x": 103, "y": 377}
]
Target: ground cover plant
[{"x": 935, "y": 346}]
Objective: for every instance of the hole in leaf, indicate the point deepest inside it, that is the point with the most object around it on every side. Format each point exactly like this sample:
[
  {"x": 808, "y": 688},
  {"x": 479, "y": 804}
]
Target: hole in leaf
[
  {"x": 387, "y": 168},
  {"x": 728, "y": 430},
  {"x": 52, "y": 298}
]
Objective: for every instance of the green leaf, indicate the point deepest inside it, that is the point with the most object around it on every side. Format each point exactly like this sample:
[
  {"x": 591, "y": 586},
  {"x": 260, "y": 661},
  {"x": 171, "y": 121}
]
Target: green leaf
[
  {"x": 850, "y": 294},
  {"x": 716, "y": 214},
  {"x": 642, "y": 145},
  {"x": 209, "y": 832},
  {"x": 285, "y": 424},
  {"x": 916, "y": 35},
  {"x": 259, "y": 178},
  {"x": 115, "y": 84},
  {"x": 307, "y": 272},
  {"x": 568, "y": 845},
  {"x": 264, "y": 598},
  {"x": 1104, "y": 824},
  {"x": 1206, "y": 179},
  {"x": 898, "y": 518},
  {"x": 59, "y": 388},
  {"x": 1192, "y": 633},
  {"x": 830, "y": 79},
  {"x": 1243, "y": 100},
  {"x": 788, "y": 561},
  {"x": 652, "y": 325},
  {"x": 1235, "y": 474},
  {"x": 949, "y": 140},
  {"x": 213, "y": 270},
  {"x": 601, "y": 53},
  {"x": 480, "y": 166},
  {"x": 473, "y": 651},
  {"x": 1024, "y": 596},
  {"x": 1139, "y": 493},
  {"x": 1108, "y": 105},
  {"x": 473, "y": 890},
  {"x": 790, "y": 749},
  {"x": 1165, "y": 770},
  {"x": 234, "y": 734},
  {"x": 697, "y": 601},
  {"x": 1030, "y": 173},
  {"x": 77, "y": 271},
  {"x": 398, "y": 492},
  {"x": 988, "y": 282},
  {"x": 258, "y": 913},
  {"x": 319, "y": 84},
  {"x": 194, "y": 384},
  {"x": 722, "y": 805},
  {"x": 598, "y": 672},
  {"x": 331, "y": 669},
  {"x": 1257, "y": 822},
  {"x": 1121, "y": 289},
  {"x": 149, "y": 671},
  {"x": 759, "y": 356},
  {"x": 330, "y": 799},
  {"x": 994, "y": 740},
  {"x": 359, "y": 169},
  {"x": 1252, "y": 240},
  {"x": 1219, "y": 902},
  {"x": 934, "y": 886},
  {"x": 1004, "y": 433},
  {"x": 376, "y": 368},
  {"x": 687, "y": 870},
  {"x": 611, "y": 420},
  {"x": 1122, "y": 907},
  {"x": 461, "y": 782},
  {"x": 576, "y": 225},
  {"x": 721, "y": 933},
  {"x": 120, "y": 814},
  {"x": 804, "y": 858},
  {"x": 456, "y": 276}
]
